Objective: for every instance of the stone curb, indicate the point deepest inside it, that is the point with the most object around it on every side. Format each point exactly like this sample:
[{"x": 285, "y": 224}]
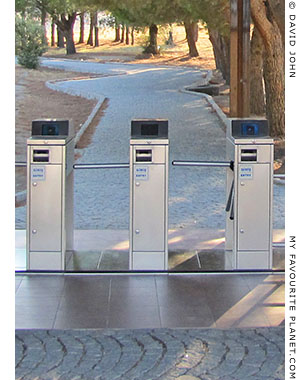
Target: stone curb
[
  {"x": 52, "y": 84},
  {"x": 88, "y": 121},
  {"x": 224, "y": 119},
  {"x": 85, "y": 125}
]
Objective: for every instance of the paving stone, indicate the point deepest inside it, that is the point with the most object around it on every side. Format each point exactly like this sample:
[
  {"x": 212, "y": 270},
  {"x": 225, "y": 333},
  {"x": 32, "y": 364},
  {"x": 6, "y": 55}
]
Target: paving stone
[{"x": 156, "y": 354}]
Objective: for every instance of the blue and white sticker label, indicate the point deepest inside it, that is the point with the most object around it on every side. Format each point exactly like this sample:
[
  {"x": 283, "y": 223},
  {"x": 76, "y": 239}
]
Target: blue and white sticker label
[
  {"x": 246, "y": 172},
  {"x": 38, "y": 173},
  {"x": 141, "y": 173}
]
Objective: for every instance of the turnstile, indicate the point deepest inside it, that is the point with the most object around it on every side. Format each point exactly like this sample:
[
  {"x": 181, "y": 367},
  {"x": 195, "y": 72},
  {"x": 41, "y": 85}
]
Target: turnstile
[
  {"x": 50, "y": 157},
  {"x": 249, "y": 194},
  {"x": 149, "y": 160}
]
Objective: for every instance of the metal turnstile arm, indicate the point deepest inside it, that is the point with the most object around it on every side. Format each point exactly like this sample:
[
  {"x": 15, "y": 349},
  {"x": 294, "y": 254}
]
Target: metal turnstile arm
[
  {"x": 230, "y": 201},
  {"x": 101, "y": 166},
  {"x": 220, "y": 164},
  {"x": 230, "y": 197},
  {"x": 20, "y": 164}
]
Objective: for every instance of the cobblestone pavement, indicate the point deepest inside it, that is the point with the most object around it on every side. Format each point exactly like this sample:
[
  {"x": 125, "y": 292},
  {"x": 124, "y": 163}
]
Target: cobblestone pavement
[{"x": 182, "y": 354}]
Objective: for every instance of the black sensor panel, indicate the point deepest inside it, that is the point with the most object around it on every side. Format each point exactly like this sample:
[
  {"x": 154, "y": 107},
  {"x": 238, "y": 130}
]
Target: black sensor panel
[
  {"x": 50, "y": 128},
  {"x": 149, "y": 128}
]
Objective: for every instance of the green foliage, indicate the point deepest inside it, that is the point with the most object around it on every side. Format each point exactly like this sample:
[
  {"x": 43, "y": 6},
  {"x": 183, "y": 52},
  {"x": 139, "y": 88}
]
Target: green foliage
[
  {"x": 214, "y": 13},
  {"x": 30, "y": 42}
]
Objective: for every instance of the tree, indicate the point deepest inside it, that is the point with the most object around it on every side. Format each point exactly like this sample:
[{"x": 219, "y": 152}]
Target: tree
[
  {"x": 138, "y": 13},
  {"x": 60, "y": 38},
  {"x": 152, "y": 47},
  {"x": 82, "y": 23},
  {"x": 90, "y": 40},
  {"x": 218, "y": 23},
  {"x": 25, "y": 7},
  {"x": 257, "y": 96},
  {"x": 65, "y": 22},
  {"x": 191, "y": 29},
  {"x": 152, "y": 13},
  {"x": 221, "y": 49},
  {"x": 266, "y": 23},
  {"x": 30, "y": 42},
  {"x": 52, "y": 34},
  {"x": 117, "y": 33},
  {"x": 63, "y": 13}
]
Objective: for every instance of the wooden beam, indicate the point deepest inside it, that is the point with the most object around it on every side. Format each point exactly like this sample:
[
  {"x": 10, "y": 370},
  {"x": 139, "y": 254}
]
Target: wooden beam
[{"x": 240, "y": 58}]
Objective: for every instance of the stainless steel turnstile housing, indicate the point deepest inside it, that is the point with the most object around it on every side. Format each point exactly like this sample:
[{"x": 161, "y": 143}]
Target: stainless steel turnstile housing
[
  {"x": 249, "y": 194},
  {"x": 149, "y": 160},
  {"x": 50, "y": 157}
]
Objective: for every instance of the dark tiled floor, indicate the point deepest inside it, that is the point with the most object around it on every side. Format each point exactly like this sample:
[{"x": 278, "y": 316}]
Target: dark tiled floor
[{"x": 144, "y": 301}]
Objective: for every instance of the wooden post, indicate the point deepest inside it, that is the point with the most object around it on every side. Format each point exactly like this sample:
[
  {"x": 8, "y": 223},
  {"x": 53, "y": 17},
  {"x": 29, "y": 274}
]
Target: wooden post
[{"x": 240, "y": 58}]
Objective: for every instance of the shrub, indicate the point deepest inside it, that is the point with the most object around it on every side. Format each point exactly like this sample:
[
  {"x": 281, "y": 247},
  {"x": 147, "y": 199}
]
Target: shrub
[{"x": 30, "y": 42}]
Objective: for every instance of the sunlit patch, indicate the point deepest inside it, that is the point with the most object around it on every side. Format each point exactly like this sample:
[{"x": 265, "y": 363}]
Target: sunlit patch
[
  {"x": 123, "y": 245},
  {"x": 256, "y": 309}
]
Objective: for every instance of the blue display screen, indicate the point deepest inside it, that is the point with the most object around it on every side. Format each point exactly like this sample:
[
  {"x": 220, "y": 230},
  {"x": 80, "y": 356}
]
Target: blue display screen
[{"x": 250, "y": 129}]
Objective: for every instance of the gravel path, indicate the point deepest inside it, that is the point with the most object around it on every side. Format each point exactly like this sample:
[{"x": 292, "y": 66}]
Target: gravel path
[{"x": 196, "y": 195}]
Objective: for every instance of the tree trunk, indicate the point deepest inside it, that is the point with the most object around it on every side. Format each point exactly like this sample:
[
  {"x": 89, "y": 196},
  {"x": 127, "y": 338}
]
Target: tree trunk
[
  {"x": 123, "y": 33},
  {"x": 66, "y": 25},
  {"x": 132, "y": 36},
  {"x": 190, "y": 36},
  {"x": 81, "y": 33},
  {"x": 277, "y": 7},
  {"x": 127, "y": 35},
  {"x": 90, "y": 40},
  {"x": 274, "y": 85},
  {"x": 96, "y": 29},
  {"x": 257, "y": 92},
  {"x": 195, "y": 31},
  {"x": 70, "y": 45},
  {"x": 96, "y": 36},
  {"x": 170, "y": 41},
  {"x": 43, "y": 22},
  {"x": 60, "y": 38},
  {"x": 52, "y": 33},
  {"x": 273, "y": 65},
  {"x": 221, "y": 48},
  {"x": 117, "y": 33},
  {"x": 152, "y": 48}
]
